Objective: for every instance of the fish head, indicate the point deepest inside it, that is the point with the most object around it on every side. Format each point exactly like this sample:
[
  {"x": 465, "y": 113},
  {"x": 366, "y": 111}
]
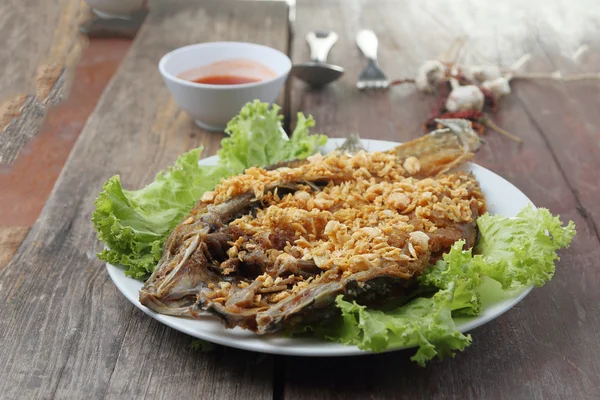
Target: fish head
[{"x": 463, "y": 129}]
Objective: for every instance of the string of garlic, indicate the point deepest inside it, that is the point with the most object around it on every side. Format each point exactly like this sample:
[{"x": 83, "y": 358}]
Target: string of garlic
[
  {"x": 464, "y": 98},
  {"x": 430, "y": 75},
  {"x": 490, "y": 78},
  {"x": 434, "y": 72},
  {"x": 500, "y": 85},
  {"x": 481, "y": 73}
]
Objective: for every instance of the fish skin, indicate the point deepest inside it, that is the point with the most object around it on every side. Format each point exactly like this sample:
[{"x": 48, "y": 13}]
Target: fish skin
[
  {"x": 320, "y": 298},
  {"x": 190, "y": 264},
  {"x": 174, "y": 274},
  {"x": 175, "y": 281}
]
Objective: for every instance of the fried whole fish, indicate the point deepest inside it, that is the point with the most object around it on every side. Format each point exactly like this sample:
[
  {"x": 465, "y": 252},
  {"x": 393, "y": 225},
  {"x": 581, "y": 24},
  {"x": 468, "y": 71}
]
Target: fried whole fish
[{"x": 273, "y": 247}]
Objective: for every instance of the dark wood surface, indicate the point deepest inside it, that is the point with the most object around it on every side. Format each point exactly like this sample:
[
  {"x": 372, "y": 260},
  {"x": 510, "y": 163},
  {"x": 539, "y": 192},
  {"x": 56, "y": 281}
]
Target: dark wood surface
[
  {"x": 545, "y": 347},
  {"x": 25, "y": 124},
  {"x": 40, "y": 47},
  {"x": 29, "y": 179},
  {"x": 74, "y": 335},
  {"x": 68, "y": 333}
]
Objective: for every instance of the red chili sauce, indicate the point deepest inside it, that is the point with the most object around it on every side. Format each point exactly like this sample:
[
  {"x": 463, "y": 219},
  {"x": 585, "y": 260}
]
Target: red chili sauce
[
  {"x": 229, "y": 72},
  {"x": 226, "y": 80}
]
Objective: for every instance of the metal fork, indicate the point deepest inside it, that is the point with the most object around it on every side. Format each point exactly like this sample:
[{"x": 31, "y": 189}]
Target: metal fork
[{"x": 372, "y": 77}]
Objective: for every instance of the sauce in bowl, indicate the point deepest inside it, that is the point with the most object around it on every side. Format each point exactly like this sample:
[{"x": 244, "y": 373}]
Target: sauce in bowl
[
  {"x": 229, "y": 72},
  {"x": 226, "y": 80}
]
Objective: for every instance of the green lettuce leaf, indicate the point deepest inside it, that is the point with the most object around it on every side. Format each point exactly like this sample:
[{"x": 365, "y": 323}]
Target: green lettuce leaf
[
  {"x": 521, "y": 251},
  {"x": 301, "y": 144},
  {"x": 256, "y": 137},
  {"x": 134, "y": 224},
  {"x": 423, "y": 322},
  {"x": 457, "y": 267},
  {"x": 515, "y": 252}
]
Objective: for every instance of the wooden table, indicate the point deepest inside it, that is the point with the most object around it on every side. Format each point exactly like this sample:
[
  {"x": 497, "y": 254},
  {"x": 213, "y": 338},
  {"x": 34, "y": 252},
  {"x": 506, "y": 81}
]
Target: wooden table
[{"x": 68, "y": 333}]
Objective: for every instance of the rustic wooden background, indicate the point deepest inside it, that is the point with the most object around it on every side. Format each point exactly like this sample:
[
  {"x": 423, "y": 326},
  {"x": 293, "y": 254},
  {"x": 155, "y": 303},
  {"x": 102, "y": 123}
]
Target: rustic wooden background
[
  {"x": 38, "y": 55},
  {"x": 68, "y": 333}
]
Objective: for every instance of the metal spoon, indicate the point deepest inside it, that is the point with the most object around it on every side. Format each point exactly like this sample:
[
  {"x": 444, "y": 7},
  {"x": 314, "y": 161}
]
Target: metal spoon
[{"x": 317, "y": 72}]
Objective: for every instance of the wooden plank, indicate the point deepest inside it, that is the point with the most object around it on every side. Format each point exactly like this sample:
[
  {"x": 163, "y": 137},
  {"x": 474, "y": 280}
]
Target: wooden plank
[
  {"x": 339, "y": 108},
  {"x": 42, "y": 45},
  {"x": 544, "y": 347},
  {"x": 67, "y": 332},
  {"x": 28, "y": 181},
  {"x": 219, "y": 374},
  {"x": 10, "y": 239},
  {"x": 569, "y": 121},
  {"x": 27, "y": 120},
  {"x": 117, "y": 27}
]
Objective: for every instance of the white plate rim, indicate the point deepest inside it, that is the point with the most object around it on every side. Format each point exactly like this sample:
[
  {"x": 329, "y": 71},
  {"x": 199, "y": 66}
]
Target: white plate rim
[{"x": 273, "y": 344}]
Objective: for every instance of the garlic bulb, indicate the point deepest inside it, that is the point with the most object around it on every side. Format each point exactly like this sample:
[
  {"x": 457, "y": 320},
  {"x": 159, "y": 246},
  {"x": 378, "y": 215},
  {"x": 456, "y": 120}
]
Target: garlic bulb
[
  {"x": 499, "y": 86},
  {"x": 484, "y": 72},
  {"x": 430, "y": 75},
  {"x": 463, "y": 98}
]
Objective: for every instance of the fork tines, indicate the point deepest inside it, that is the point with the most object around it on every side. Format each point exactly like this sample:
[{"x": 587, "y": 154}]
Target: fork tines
[{"x": 372, "y": 77}]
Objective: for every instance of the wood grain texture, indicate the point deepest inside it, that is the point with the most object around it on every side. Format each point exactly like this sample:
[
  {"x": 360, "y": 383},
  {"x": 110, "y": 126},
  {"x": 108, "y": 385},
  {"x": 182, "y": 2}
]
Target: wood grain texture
[
  {"x": 545, "y": 347},
  {"x": 67, "y": 331},
  {"x": 27, "y": 182},
  {"x": 25, "y": 123},
  {"x": 42, "y": 44},
  {"x": 95, "y": 26},
  {"x": 10, "y": 239}
]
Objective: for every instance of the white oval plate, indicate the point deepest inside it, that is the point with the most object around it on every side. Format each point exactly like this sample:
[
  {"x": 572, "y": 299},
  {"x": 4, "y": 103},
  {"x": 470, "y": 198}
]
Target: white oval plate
[{"x": 502, "y": 198}]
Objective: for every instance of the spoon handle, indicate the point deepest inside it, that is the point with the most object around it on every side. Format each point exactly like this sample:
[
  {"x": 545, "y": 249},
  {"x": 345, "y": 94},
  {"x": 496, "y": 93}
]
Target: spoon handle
[
  {"x": 367, "y": 42},
  {"x": 320, "y": 43}
]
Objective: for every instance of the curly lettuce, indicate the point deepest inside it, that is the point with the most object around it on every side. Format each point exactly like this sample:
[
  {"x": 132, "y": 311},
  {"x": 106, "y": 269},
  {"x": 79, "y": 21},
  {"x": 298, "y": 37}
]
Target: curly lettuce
[
  {"x": 256, "y": 137},
  {"x": 457, "y": 268},
  {"x": 135, "y": 223},
  {"x": 516, "y": 252},
  {"x": 521, "y": 251},
  {"x": 423, "y": 322}
]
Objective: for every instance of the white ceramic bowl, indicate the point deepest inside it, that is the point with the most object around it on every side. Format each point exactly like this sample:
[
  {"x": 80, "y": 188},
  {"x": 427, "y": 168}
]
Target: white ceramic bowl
[{"x": 212, "y": 106}]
